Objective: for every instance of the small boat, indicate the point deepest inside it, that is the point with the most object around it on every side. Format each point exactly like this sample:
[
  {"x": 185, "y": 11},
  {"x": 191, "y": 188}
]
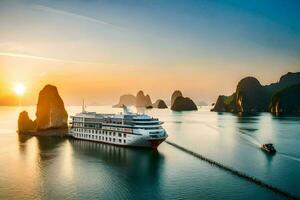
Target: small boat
[{"x": 268, "y": 148}]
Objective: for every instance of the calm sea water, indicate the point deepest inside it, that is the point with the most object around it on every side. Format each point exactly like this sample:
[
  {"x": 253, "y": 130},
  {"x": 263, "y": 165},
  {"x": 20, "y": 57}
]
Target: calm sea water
[{"x": 60, "y": 168}]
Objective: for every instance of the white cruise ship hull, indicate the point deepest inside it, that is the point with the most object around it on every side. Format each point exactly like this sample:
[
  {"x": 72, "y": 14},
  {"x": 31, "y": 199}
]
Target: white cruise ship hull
[
  {"x": 125, "y": 129},
  {"x": 123, "y": 139}
]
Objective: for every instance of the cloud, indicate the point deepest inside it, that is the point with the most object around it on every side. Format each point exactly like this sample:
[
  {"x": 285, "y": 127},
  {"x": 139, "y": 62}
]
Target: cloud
[
  {"x": 28, "y": 56},
  {"x": 71, "y": 14}
]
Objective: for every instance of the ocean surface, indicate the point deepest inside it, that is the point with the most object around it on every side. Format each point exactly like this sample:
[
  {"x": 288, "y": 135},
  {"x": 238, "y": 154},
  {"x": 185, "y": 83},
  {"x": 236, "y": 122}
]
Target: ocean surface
[{"x": 61, "y": 168}]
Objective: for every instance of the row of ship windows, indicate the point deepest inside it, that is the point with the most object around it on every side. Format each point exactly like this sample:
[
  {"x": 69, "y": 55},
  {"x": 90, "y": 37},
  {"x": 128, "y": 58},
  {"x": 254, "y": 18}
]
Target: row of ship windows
[
  {"x": 100, "y": 138},
  {"x": 110, "y": 133},
  {"x": 98, "y": 121},
  {"x": 78, "y": 124},
  {"x": 77, "y": 119}
]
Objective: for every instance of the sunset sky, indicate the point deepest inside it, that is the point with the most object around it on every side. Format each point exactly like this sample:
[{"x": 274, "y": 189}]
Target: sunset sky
[{"x": 98, "y": 50}]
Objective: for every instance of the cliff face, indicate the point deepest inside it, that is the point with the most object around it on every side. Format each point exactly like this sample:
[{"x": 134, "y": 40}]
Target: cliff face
[
  {"x": 160, "y": 104},
  {"x": 286, "y": 100},
  {"x": 250, "y": 96},
  {"x": 180, "y": 103},
  {"x": 143, "y": 101},
  {"x": 25, "y": 123},
  {"x": 225, "y": 104},
  {"x": 50, "y": 112},
  {"x": 127, "y": 100},
  {"x": 175, "y": 94}
]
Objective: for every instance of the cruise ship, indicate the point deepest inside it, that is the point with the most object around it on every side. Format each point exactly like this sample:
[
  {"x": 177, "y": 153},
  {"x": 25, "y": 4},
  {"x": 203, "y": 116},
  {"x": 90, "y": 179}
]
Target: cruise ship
[{"x": 124, "y": 129}]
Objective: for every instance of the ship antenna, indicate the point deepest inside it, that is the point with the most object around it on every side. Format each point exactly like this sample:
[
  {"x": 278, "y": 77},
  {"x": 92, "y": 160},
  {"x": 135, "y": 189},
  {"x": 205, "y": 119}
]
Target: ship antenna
[{"x": 83, "y": 106}]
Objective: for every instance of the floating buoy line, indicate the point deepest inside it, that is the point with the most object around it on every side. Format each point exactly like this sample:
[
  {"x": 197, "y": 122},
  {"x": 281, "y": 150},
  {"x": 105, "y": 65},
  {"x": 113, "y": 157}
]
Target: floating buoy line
[{"x": 235, "y": 172}]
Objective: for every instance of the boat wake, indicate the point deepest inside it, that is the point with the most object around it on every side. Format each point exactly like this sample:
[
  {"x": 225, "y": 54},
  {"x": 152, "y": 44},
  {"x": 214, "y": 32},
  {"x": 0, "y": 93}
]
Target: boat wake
[
  {"x": 250, "y": 139},
  {"x": 289, "y": 156},
  {"x": 244, "y": 135}
]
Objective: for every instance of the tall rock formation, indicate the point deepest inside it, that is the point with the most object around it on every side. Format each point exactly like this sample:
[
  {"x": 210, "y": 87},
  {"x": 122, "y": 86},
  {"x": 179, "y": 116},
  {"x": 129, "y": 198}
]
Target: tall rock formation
[
  {"x": 286, "y": 100},
  {"x": 160, "y": 104},
  {"x": 180, "y": 103},
  {"x": 50, "y": 112},
  {"x": 143, "y": 101},
  {"x": 25, "y": 123},
  {"x": 250, "y": 96},
  {"x": 176, "y": 93}
]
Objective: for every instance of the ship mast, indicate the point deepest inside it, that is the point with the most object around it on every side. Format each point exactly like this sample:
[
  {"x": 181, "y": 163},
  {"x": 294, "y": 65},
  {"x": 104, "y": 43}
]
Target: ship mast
[{"x": 83, "y": 106}]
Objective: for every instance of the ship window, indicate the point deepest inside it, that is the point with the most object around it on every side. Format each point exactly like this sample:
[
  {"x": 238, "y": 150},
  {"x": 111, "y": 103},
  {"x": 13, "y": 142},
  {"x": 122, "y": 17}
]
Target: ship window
[
  {"x": 120, "y": 134},
  {"x": 114, "y": 134},
  {"x": 110, "y": 139},
  {"x": 124, "y": 135},
  {"x": 114, "y": 139},
  {"x": 105, "y": 138},
  {"x": 124, "y": 141},
  {"x": 120, "y": 140}
]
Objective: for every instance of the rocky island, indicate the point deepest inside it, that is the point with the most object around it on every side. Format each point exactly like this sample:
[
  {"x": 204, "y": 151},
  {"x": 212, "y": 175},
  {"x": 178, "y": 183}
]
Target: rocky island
[
  {"x": 140, "y": 101},
  {"x": 51, "y": 115},
  {"x": 160, "y": 104},
  {"x": 250, "y": 96},
  {"x": 126, "y": 99},
  {"x": 180, "y": 103}
]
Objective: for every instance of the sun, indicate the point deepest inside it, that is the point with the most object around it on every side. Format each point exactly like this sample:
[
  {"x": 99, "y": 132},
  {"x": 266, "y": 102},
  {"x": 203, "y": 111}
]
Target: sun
[{"x": 19, "y": 89}]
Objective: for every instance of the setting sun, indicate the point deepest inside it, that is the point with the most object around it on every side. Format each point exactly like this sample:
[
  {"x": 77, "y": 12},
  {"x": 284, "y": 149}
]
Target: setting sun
[{"x": 19, "y": 89}]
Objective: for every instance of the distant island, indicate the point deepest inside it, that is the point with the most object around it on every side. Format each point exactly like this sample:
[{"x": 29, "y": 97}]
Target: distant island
[
  {"x": 250, "y": 96},
  {"x": 160, "y": 104},
  {"x": 140, "y": 101},
  {"x": 178, "y": 102},
  {"x": 51, "y": 114}
]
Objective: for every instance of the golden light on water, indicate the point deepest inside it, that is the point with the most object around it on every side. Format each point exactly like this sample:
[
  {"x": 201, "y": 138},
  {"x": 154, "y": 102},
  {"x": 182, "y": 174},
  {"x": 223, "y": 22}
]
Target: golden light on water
[{"x": 19, "y": 89}]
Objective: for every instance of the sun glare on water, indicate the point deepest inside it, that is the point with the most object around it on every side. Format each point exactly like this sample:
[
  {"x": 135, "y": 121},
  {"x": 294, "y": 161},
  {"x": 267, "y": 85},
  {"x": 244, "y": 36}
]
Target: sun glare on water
[{"x": 19, "y": 89}]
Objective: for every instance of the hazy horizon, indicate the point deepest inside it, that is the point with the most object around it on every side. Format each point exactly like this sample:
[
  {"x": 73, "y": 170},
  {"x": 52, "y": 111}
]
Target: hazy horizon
[{"x": 99, "y": 50}]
